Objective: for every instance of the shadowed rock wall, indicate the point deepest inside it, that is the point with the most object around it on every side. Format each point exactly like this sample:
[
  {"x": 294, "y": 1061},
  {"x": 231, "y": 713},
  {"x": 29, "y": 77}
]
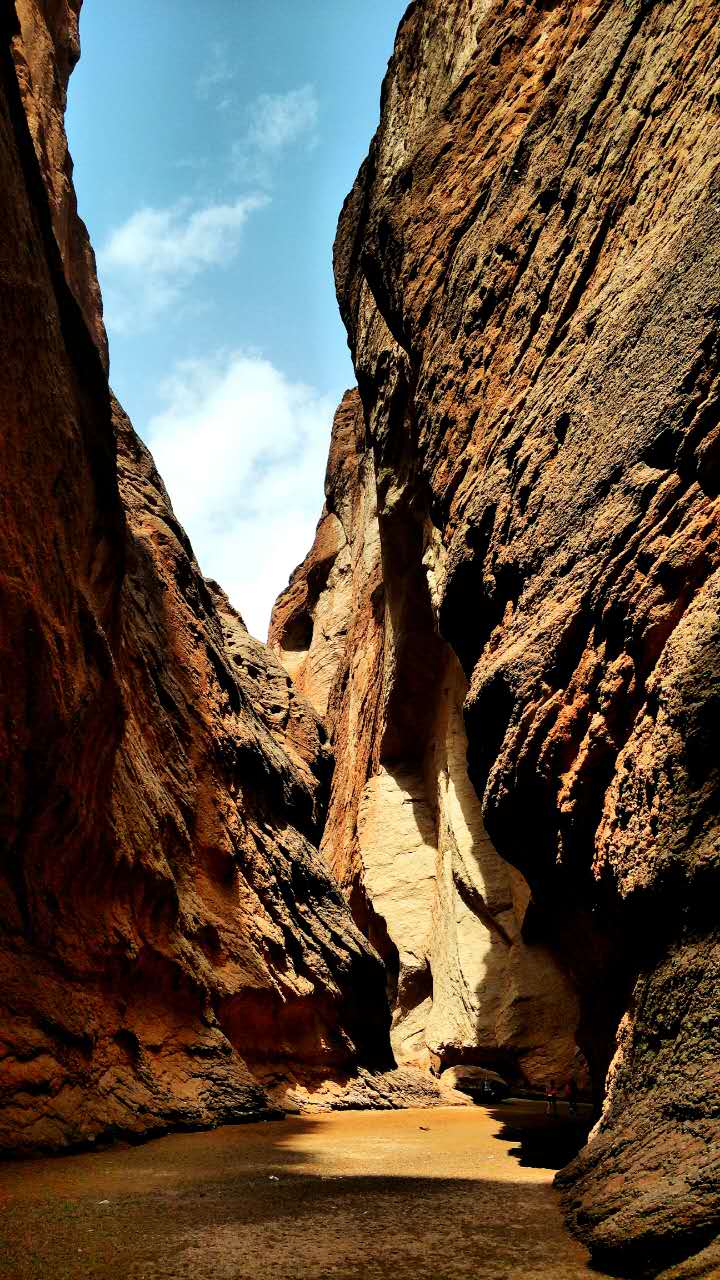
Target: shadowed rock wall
[
  {"x": 172, "y": 950},
  {"x": 404, "y": 832},
  {"x": 523, "y": 517},
  {"x": 47, "y": 49},
  {"x": 528, "y": 268}
]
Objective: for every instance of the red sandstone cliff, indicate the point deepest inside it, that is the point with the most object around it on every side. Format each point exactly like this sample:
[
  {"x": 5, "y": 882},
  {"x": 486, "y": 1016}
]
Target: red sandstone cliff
[
  {"x": 172, "y": 950},
  {"x": 528, "y": 268},
  {"x": 523, "y": 516},
  {"x": 45, "y": 52}
]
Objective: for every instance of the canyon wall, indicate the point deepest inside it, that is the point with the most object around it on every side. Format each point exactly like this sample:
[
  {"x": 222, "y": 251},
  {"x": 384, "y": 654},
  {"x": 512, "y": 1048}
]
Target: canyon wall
[
  {"x": 172, "y": 948},
  {"x": 528, "y": 268},
  {"x": 404, "y": 833},
  {"x": 507, "y": 627}
]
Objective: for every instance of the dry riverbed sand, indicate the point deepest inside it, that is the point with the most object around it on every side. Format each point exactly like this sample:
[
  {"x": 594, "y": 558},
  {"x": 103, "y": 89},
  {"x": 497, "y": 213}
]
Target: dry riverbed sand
[{"x": 446, "y": 1194}]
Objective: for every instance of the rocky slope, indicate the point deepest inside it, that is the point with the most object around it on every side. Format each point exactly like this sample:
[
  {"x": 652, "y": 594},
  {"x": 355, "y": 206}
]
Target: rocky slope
[
  {"x": 172, "y": 949},
  {"x": 528, "y": 267}
]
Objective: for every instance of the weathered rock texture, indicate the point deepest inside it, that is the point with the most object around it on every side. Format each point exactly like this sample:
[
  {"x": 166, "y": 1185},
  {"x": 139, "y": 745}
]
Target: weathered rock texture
[
  {"x": 172, "y": 949},
  {"x": 529, "y": 270},
  {"x": 404, "y": 832},
  {"x": 45, "y": 53}
]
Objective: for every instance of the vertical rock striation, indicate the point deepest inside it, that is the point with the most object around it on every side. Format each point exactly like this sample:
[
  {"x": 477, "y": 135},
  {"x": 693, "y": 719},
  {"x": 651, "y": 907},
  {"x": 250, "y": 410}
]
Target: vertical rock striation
[
  {"x": 172, "y": 949},
  {"x": 45, "y": 52},
  {"x": 528, "y": 267},
  {"x": 404, "y": 833},
  {"x": 508, "y": 624}
]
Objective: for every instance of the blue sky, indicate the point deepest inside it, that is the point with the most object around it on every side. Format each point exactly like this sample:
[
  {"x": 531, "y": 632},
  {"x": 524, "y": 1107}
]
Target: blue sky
[{"x": 213, "y": 145}]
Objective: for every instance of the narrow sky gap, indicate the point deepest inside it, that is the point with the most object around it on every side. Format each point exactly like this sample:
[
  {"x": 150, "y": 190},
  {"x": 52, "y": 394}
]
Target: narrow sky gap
[{"x": 211, "y": 163}]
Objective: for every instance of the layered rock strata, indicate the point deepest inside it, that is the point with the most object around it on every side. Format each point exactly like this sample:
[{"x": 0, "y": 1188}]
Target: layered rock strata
[
  {"x": 172, "y": 948},
  {"x": 528, "y": 267}
]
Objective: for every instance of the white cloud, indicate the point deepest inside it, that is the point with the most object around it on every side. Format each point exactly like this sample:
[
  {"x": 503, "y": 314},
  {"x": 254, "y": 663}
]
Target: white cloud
[
  {"x": 216, "y": 73},
  {"x": 147, "y": 262},
  {"x": 277, "y": 119},
  {"x": 274, "y": 122},
  {"x": 242, "y": 450}
]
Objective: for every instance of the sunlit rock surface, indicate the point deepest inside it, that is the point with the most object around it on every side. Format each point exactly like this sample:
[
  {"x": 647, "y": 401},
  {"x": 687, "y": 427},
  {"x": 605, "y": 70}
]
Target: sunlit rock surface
[
  {"x": 172, "y": 948},
  {"x": 528, "y": 269},
  {"x": 404, "y": 832},
  {"x": 508, "y": 624}
]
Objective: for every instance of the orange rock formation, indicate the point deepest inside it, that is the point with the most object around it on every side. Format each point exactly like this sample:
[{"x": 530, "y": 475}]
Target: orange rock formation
[
  {"x": 528, "y": 267},
  {"x": 507, "y": 626},
  {"x": 172, "y": 949},
  {"x": 404, "y": 832}
]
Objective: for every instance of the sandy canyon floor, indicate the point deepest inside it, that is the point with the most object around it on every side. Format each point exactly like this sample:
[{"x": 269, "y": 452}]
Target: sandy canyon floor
[{"x": 448, "y": 1194}]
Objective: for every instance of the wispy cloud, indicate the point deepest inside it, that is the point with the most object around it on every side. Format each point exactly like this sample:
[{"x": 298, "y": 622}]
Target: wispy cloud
[
  {"x": 267, "y": 124},
  {"x": 278, "y": 119},
  {"x": 149, "y": 261},
  {"x": 274, "y": 123},
  {"x": 216, "y": 74},
  {"x": 242, "y": 450}
]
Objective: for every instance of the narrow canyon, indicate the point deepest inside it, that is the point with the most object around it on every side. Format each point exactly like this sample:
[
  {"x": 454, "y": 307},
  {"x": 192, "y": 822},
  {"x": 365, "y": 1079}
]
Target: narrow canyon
[{"x": 463, "y": 809}]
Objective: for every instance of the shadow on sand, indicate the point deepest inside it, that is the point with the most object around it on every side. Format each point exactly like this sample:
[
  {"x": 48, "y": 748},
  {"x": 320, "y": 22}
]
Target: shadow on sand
[
  {"x": 380, "y": 1196},
  {"x": 543, "y": 1142}
]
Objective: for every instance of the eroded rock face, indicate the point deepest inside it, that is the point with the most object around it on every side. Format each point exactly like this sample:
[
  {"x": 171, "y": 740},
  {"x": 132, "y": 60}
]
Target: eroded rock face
[
  {"x": 529, "y": 270},
  {"x": 172, "y": 949},
  {"x": 45, "y": 52},
  {"x": 404, "y": 832}
]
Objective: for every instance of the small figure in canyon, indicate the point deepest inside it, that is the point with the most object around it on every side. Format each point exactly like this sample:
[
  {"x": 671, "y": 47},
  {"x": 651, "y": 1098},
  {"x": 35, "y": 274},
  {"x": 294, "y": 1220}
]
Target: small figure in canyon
[
  {"x": 571, "y": 1093},
  {"x": 551, "y": 1099}
]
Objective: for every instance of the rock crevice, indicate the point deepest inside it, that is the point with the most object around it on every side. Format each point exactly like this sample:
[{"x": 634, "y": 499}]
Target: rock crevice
[{"x": 404, "y": 832}]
